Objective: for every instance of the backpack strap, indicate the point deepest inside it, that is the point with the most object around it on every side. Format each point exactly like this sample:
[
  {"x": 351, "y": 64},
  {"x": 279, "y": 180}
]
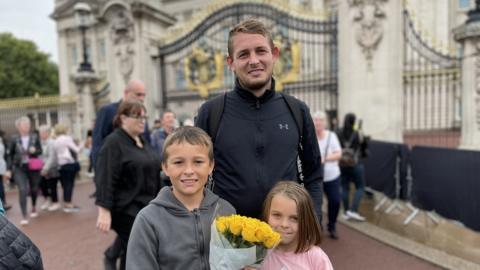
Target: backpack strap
[
  {"x": 215, "y": 114},
  {"x": 294, "y": 106}
]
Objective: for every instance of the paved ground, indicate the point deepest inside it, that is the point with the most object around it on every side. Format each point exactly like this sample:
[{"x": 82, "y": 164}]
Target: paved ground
[{"x": 70, "y": 241}]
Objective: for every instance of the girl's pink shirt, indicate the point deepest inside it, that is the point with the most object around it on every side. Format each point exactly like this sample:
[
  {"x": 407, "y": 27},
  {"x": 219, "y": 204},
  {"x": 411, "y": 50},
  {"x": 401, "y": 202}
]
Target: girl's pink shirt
[{"x": 313, "y": 259}]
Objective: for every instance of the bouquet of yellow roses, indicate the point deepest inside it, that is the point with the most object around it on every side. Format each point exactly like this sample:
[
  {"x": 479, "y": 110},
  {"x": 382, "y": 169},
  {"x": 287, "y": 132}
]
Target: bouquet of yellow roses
[{"x": 239, "y": 241}]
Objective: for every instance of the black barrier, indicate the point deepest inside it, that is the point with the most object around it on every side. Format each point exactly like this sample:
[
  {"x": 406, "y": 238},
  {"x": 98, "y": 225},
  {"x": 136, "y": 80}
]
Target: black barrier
[
  {"x": 405, "y": 186},
  {"x": 447, "y": 181},
  {"x": 380, "y": 167}
]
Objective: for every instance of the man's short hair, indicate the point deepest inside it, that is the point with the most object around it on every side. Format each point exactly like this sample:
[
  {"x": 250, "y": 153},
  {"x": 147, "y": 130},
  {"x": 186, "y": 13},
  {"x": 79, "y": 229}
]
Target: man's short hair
[
  {"x": 165, "y": 112},
  {"x": 190, "y": 135},
  {"x": 250, "y": 26}
]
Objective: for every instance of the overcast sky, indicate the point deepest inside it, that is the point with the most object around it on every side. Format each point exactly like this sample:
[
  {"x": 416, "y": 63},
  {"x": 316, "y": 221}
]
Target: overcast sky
[{"x": 29, "y": 19}]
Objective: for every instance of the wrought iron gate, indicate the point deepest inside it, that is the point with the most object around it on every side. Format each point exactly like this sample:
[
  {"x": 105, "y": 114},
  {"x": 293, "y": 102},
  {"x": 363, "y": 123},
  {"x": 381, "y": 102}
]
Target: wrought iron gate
[
  {"x": 432, "y": 92},
  {"x": 193, "y": 69}
]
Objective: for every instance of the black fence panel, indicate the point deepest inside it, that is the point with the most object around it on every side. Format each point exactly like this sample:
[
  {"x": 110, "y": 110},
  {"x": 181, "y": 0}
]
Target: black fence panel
[
  {"x": 448, "y": 182},
  {"x": 380, "y": 167},
  {"x": 405, "y": 180}
]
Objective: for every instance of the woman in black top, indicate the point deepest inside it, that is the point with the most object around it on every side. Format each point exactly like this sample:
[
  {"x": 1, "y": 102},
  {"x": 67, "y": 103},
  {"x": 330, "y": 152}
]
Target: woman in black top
[
  {"x": 127, "y": 173},
  {"x": 352, "y": 170}
]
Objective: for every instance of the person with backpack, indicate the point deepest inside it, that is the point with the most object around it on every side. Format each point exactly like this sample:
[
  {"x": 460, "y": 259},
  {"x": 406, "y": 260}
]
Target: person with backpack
[
  {"x": 353, "y": 148},
  {"x": 260, "y": 136}
]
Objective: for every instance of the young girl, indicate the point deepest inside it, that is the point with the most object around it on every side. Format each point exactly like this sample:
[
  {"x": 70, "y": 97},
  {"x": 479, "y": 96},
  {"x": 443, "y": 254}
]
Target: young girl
[{"x": 289, "y": 209}]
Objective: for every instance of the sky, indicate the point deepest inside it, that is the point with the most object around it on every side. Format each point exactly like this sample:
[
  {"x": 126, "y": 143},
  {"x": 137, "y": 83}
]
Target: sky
[{"x": 29, "y": 19}]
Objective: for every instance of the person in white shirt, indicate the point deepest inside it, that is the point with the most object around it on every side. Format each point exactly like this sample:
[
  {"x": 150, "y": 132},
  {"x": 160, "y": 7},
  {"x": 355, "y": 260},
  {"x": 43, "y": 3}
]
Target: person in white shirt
[
  {"x": 331, "y": 152},
  {"x": 66, "y": 151}
]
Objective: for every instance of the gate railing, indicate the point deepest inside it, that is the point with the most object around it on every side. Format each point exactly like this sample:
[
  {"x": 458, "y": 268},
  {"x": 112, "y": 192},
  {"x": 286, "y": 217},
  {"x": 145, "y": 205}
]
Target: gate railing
[
  {"x": 431, "y": 92},
  {"x": 307, "y": 43},
  {"x": 42, "y": 110}
]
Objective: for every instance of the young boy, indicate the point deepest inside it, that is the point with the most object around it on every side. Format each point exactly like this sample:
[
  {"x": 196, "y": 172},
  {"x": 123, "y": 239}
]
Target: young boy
[{"x": 173, "y": 231}]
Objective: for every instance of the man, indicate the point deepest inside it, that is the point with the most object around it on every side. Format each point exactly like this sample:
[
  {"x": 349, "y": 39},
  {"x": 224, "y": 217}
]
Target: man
[
  {"x": 134, "y": 91},
  {"x": 257, "y": 142},
  {"x": 167, "y": 120}
]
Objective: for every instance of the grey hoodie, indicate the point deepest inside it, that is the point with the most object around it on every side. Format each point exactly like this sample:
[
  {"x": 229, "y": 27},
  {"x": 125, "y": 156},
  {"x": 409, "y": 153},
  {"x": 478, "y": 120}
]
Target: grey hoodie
[{"x": 166, "y": 235}]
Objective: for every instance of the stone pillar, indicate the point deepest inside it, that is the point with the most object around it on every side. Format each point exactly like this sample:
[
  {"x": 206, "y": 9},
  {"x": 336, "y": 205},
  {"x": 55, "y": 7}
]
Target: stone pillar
[
  {"x": 85, "y": 115},
  {"x": 371, "y": 64},
  {"x": 468, "y": 35}
]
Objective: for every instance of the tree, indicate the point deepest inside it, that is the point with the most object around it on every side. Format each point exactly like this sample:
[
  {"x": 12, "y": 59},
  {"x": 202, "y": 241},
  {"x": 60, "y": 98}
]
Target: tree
[{"x": 24, "y": 70}]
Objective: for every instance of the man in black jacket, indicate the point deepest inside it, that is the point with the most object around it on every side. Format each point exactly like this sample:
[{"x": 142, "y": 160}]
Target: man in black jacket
[{"x": 257, "y": 142}]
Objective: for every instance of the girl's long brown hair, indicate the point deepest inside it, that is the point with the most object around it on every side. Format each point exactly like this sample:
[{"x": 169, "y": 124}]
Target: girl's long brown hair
[{"x": 308, "y": 227}]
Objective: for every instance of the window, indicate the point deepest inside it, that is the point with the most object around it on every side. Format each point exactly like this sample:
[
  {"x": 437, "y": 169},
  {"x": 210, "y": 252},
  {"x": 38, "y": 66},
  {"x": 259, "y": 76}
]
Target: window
[
  {"x": 102, "y": 50},
  {"x": 42, "y": 118},
  {"x": 73, "y": 55},
  {"x": 53, "y": 118},
  {"x": 464, "y": 4}
]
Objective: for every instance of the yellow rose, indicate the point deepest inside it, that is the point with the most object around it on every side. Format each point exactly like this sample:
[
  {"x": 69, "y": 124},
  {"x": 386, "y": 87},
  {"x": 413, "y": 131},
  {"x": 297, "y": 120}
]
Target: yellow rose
[
  {"x": 221, "y": 225},
  {"x": 249, "y": 230},
  {"x": 272, "y": 241},
  {"x": 236, "y": 225}
]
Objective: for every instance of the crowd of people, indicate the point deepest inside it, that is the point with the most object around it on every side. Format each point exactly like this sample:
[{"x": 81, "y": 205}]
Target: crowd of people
[
  {"x": 260, "y": 153},
  {"x": 36, "y": 160}
]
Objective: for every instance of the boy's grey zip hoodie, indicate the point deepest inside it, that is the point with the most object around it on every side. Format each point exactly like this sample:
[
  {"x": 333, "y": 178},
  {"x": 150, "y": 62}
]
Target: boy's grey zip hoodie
[{"x": 166, "y": 235}]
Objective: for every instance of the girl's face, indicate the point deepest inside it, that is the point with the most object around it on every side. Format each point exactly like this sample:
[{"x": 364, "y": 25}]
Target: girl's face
[{"x": 283, "y": 218}]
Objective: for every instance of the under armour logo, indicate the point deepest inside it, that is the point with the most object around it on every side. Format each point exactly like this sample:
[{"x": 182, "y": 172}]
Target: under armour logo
[{"x": 283, "y": 126}]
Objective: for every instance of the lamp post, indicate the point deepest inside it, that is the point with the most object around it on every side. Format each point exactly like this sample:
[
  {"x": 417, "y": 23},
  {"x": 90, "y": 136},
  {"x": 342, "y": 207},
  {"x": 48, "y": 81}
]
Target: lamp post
[
  {"x": 474, "y": 14},
  {"x": 83, "y": 18},
  {"x": 85, "y": 77}
]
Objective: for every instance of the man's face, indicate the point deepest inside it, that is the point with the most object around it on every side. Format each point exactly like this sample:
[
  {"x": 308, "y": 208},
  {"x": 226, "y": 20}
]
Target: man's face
[
  {"x": 136, "y": 93},
  {"x": 252, "y": 60},
  {"x": 168, "y": 120}
]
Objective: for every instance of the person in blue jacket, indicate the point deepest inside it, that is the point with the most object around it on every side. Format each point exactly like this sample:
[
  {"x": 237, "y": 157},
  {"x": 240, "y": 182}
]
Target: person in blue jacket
[{"x": 257, "y": 141}]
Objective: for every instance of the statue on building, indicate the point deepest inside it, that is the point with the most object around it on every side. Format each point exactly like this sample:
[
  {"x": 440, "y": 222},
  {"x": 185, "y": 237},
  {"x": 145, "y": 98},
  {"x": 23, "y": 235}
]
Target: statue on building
[
  {"x": 123, "y": 37},
  {"x": 368, "y": 15}
]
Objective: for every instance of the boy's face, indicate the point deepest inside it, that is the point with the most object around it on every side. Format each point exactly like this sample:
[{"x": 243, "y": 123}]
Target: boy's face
[
  {"x": 188, "y": 167},
  {"x": 252, "y": 60}
]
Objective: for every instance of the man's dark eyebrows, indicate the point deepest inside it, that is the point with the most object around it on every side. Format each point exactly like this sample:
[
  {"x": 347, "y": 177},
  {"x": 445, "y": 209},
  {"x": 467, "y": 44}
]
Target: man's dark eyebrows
[{"x": 242, "y": 51}]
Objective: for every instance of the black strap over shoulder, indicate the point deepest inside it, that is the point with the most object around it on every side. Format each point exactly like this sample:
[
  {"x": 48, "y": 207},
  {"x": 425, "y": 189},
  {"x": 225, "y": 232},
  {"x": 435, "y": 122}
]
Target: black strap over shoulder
[
  {"x": 215, "y": 114},
  {"x": 294, "y": 106}
]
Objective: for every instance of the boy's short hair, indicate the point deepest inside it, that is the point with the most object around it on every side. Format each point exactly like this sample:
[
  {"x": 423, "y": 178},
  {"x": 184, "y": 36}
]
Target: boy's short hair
[
  {"x": 250, "y": 26},
  {"x": 191, "y": 135}
]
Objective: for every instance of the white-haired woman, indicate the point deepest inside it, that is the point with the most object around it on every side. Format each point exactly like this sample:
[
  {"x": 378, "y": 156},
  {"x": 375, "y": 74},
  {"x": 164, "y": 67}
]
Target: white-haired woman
[
  {"x": 24, "y": 164},
  {"x": 331, "y": 152}
]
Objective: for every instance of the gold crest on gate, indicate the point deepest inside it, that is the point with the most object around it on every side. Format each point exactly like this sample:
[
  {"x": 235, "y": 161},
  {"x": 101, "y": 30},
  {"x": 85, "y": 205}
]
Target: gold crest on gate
[
  {"x": 204, "y": 69},
  {"x": 287, "y": 66}
]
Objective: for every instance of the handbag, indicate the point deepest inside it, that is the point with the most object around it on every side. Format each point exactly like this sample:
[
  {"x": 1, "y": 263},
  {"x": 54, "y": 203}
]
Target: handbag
[{"x": 35, "y": 164}]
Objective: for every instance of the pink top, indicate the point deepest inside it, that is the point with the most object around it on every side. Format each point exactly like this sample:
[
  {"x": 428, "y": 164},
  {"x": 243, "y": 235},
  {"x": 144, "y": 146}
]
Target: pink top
[{"x": 313, "y": 259}]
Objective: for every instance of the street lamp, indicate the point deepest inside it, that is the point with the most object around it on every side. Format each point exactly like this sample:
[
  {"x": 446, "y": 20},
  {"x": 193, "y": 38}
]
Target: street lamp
[
  {"x": 83, "y": 18},
  {"x": 474, "y": 15}
]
